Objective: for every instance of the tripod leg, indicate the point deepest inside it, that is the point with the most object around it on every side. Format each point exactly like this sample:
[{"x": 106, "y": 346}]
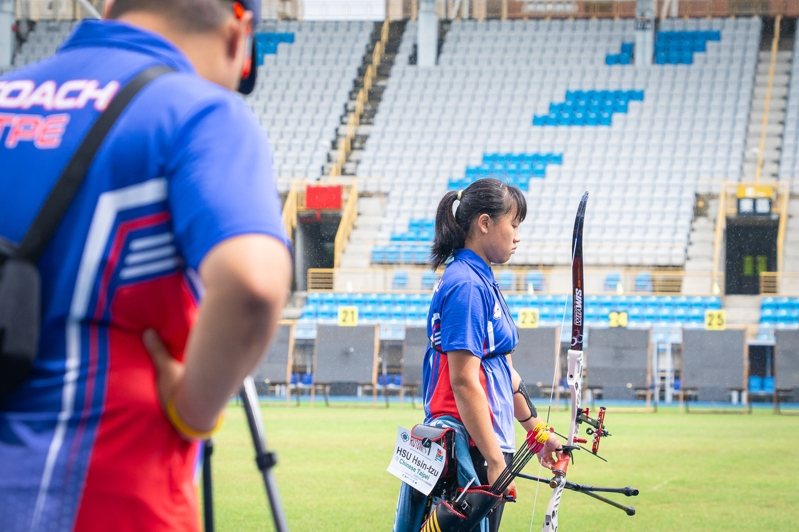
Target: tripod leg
[
  {"x": 263, "y": 458},
  {"x": 208, "y": 490}
]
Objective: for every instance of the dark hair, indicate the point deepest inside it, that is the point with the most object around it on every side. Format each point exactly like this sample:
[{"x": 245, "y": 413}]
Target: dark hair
[
  {"x": 188, "y": 15},
  {"x": 485, "y": 196}
]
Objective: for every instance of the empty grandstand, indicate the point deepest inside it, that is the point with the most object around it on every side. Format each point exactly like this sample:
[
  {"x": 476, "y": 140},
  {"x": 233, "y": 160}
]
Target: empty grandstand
[
  {"x": 644, "y": 141},
  {"x": 304, "y": 84},
  {"x": 680, "y": 152}
]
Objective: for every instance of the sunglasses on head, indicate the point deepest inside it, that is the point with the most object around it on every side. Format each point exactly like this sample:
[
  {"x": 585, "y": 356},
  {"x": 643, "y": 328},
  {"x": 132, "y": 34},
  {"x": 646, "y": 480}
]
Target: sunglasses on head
[{"x": 238, "y": 12}]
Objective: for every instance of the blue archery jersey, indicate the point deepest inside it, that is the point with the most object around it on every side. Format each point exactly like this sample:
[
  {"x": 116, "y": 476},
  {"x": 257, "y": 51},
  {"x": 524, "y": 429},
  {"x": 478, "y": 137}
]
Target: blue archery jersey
[
  {"x": 185, "y": 167},
  {"x": 468, "y": 313}
]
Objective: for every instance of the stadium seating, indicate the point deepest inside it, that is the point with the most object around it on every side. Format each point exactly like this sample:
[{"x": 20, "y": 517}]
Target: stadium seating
[
  {"x": 789, "y": 160},
  {"x": 671, "y": 47},
  {"x": 643, "y": 282},
  {"x": 554, "y": 107},
  {"x": 268, "y": 43},
  {"x": 303, "y": 87},
  {"x": 534, "y": 281},
  {"x": 525, "y": 101},
  {"x": 43, "y": 41},
  {"x": 514, "y": 168},
  {"x": 588, "y": 108},
  {"x": 779, "y": 311},
  {"x": 411, "y": 308},
  {"x": 653, "y": 138},
  {"x": 305, "y": 75}
]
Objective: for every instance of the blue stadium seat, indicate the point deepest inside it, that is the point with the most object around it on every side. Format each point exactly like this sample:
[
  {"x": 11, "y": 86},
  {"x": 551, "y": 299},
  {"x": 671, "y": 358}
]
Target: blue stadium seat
[
  {"x": 650, "y": 314},
  {"x": 267, "y": 43},
  {"x": 429, "y": 280},
  {"x": 695, "y": 315},
  {"x": 611, "y": 281},
  {"x": 599, "y": 299},
  {"x": 535, "y": 280},
  {"x": 506, "y": 280},
  {"x": 345, "y": 299},
  {"x": 643, "y": 282},
  {"x": 328, "y": 297},
  {"x": 781, "y": 317},
  {"x": 309, "y": 310},
  {"x": 679, "y": 314},
  {"x": 679, "y": 47},
  {"x": 400, "y": 280},
  {"x": 327, "y": 311},
  {"x": 397, "y": 312},
  {"x": 681, "y": 302},
  {"x": 378, "y": 255},
  {"x": 635, "y": 301},
  {"x": 358, "y": 298},
  {"x": 367, "y": 312},
  {"x": 513, "y": 168},
  {"x": 314, "y": 297},
  {"x": 421, "y": 298}
]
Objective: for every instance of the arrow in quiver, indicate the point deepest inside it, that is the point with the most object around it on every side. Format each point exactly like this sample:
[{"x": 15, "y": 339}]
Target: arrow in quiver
[{"x": 464, "y": 513}]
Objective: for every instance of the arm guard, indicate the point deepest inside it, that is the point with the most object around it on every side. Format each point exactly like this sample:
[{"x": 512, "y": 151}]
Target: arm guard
[{"x": 522, "y": 390}]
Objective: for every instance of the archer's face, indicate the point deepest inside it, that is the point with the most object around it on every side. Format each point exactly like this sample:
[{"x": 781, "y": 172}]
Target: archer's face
[{"x": 502, "y": 237}]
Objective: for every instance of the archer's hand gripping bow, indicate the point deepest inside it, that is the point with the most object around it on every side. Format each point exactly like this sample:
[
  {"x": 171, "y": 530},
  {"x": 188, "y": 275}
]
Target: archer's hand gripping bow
[{"x": 574, "y": 379}]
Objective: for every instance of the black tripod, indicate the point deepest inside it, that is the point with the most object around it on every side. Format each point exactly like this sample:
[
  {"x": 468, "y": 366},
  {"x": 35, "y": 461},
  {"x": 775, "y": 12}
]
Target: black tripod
[{"x": 263, "y": 458}]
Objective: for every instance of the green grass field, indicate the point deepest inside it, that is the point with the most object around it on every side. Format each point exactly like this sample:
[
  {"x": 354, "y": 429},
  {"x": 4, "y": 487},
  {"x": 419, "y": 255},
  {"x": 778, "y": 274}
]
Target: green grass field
[{"x": 712, "y": 472}]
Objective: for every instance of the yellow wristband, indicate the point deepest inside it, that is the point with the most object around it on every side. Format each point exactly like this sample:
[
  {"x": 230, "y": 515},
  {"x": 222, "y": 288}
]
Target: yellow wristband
[{"x": 183, "y": 428}]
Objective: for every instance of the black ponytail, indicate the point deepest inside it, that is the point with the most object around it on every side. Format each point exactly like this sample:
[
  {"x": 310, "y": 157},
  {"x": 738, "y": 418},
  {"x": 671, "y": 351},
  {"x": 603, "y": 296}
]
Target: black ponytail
[
  {"x": 486, "y": 196},
  {"x": 449, "y": 235}
]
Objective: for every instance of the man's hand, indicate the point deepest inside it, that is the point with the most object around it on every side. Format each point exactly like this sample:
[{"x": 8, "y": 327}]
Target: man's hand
[{"x": 168, "y": 371}]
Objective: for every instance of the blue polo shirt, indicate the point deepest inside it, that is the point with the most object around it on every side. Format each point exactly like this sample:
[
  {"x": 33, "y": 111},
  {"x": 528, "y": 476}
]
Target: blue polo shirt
[
  {"x": 84, "y": 443},
  {"x": 468, "y": 313}
]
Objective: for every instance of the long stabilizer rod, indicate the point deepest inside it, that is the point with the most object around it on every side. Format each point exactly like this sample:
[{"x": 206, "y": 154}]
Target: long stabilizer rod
[{"x": 590, "y": 491}]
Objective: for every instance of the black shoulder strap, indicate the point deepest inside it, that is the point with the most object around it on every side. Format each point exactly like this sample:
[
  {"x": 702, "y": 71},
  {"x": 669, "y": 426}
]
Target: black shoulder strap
[{"x": 64, "y": 191}]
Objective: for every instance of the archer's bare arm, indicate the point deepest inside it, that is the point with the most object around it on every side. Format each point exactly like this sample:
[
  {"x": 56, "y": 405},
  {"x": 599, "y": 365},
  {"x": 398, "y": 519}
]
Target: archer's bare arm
[
  {"x": 464, "y": 375},
  {"x": 522, "y": 411}
]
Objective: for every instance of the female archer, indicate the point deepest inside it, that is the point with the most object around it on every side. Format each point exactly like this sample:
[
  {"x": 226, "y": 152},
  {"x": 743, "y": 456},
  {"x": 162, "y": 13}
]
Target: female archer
[{"x": 468, "y": 379}]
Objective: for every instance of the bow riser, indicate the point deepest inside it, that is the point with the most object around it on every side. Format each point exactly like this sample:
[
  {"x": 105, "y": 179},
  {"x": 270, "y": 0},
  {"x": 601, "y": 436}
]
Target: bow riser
[{"x": 574, "y": 378}]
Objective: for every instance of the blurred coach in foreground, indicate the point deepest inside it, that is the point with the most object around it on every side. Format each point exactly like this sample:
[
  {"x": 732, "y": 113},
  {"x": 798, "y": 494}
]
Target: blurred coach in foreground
[{"x": 163, "y": 282}]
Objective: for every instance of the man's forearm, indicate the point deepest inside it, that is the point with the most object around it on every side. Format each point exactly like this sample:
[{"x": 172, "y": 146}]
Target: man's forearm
[
  {"x": 247, "y": 281},
  {"x": 226, "y": 343}
]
